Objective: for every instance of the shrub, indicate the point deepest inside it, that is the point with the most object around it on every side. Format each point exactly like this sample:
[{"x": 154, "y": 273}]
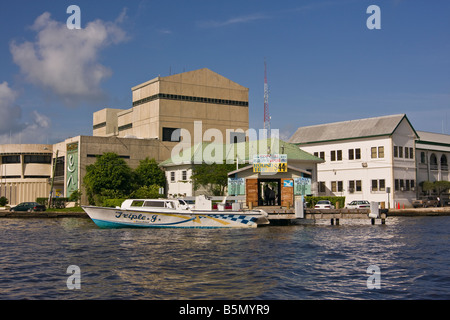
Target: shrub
[
  {"x": 112, "y": 203},
  {"x": 313, "y": 200},
  {"x": 3, "y": 201}
]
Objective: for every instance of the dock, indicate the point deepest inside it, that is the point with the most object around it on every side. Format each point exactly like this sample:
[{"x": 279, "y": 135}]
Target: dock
[{"x": 285, "y": 216}]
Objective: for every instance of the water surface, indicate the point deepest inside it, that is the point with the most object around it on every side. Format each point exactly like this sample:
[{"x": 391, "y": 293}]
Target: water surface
[{"x": 274, "y": 263}]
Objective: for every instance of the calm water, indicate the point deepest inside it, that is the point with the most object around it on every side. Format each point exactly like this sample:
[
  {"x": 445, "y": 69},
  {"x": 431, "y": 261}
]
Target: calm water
[{"x": 274, "y": 263}]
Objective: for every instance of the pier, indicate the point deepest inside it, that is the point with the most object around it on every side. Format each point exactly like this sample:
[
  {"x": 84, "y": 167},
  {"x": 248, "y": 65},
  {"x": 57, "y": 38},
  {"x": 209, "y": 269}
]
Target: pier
[{"x": 285, "y": 216}]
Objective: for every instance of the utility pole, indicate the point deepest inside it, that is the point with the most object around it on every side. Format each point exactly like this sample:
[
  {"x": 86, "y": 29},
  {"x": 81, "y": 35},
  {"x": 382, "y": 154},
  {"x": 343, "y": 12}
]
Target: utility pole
[{"x": 266, "y": 102}]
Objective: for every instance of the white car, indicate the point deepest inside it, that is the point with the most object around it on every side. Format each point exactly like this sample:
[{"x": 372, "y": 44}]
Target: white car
[
  {"x": 358, "y": 204},
  {"x": 324, "y": 204}
]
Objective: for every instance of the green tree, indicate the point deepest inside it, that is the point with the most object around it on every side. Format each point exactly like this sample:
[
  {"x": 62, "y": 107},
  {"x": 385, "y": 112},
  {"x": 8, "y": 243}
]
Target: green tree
[
  {"x": 147, "y": 192},
  {"x": 441, "y": 186},
  {"x": 213, "y": 177},
  {"x": 148, "y": 173},
  {"x": 108, "y": 177},
  {"x": 427, "y": 186}
]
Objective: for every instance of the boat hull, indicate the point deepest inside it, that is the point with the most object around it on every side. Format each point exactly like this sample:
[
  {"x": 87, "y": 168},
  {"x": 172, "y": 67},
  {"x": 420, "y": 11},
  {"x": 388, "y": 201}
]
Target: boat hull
[{"x": 124, "y": 218}]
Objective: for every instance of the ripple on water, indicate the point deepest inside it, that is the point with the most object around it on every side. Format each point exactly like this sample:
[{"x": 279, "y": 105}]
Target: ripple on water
[{"x": 299, "y": 262}]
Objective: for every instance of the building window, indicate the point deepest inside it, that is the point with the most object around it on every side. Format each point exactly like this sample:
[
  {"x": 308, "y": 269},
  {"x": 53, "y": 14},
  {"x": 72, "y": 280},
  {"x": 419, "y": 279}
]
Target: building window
[
  {"x": 400, "y": 152},
  {"x": 357, "y": 153},
  {"x": 337, "y": 186},
  {"x": 38, "y": 159},
  {"x": 423, "y": 158},
  {"x": 190, "y": 99},
  {"x": 378, "y": 185},
  {"x": 377, "y": 152},
  {"x": 172, "y": 176},
  {"x": 171, "y": 134},
  {"x": 354, "y": 186},
  {"x": 411, "y": 153},
  {"x": 11, "y": 159},
  {"x": 433, "y": 162},
  {"x": 236, "y": 137},
  {"x": 444, "y": 163},
  {"x": 322, "y": 188},
  {"x": 373, "y": 152},
  {"x": 336, "y": 155},
  {"x": 351, "y": 154},
  {"x": 99, "y": 126},
  {"x": 395, "y": 152},
  {"x": 184, "y": 175},
  {"x": 374, "y": 185},
  {"x": 126, "y": 127}
]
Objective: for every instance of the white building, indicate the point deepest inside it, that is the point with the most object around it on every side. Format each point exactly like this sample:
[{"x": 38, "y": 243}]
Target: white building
[
  {"x": 433, "y": 155},
  {"x": 368, "y": 159}
]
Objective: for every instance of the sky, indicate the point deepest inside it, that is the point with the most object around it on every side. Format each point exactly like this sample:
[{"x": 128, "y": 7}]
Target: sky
[{"x": 323, "y": 62}]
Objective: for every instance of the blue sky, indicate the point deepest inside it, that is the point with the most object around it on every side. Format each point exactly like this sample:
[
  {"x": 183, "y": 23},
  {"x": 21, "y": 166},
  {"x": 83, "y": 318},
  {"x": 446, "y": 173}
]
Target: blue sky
[{"x": 324, "y": 64}]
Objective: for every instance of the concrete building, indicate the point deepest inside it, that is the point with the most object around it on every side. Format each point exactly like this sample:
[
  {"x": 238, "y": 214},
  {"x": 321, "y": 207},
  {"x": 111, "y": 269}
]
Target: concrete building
[
  {"x": 163, "y": 105},
  {"x": 27, "y": 170},
  {"x": 370, "y": 159},
  {"x": 148, "y": 129}
]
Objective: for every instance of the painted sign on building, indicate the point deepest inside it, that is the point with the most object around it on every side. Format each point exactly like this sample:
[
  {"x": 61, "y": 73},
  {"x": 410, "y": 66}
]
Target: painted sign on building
[
  {"x": 270, "y": 163},
  {"x": 236, "y": 186},
  {"x": 302, "y": 186},
  {"x": 72, "y": 168}
]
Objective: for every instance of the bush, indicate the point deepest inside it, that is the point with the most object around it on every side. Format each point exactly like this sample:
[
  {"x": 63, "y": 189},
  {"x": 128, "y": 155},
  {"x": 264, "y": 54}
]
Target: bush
[
  {"x": 56, "y": 202},
  {"x": 147, "y": 192},
  {"x": 313, "y": 200},
  {"x": 3, "y": 201},
  {"x": 112, "y": 203}
]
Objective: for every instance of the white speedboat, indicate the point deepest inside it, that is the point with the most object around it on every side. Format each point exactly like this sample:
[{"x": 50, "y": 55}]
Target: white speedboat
[{"x": 172, "y": 213}]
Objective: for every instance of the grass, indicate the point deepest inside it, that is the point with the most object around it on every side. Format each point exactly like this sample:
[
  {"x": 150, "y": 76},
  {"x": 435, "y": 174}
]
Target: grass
[{"x": 74, "y": 209}]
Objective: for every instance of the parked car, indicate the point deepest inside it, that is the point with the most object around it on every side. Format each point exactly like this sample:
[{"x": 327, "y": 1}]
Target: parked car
[
  {"x": 323, "y": 204},
  {"x": 426, "y": 202},
  {"x": 358, "y": 204},
  {"x": 28, "y": 206}
]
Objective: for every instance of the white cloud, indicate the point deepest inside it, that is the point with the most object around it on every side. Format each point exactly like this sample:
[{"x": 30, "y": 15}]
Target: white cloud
[
  {"x": 65, "y": 62},
  {"x": 12, "y": 129},
  {"x": 231, "y": 21},
  {"x": 10, "y": 113}
]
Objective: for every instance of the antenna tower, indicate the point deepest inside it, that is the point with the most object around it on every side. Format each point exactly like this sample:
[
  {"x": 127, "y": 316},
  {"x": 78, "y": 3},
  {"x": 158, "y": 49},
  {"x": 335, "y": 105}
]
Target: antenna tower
[{"x": 266, "y": 102}]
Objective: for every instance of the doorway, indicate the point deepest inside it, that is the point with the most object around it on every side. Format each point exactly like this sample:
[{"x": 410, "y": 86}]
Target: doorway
[{"x": 269, "y": 192}]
